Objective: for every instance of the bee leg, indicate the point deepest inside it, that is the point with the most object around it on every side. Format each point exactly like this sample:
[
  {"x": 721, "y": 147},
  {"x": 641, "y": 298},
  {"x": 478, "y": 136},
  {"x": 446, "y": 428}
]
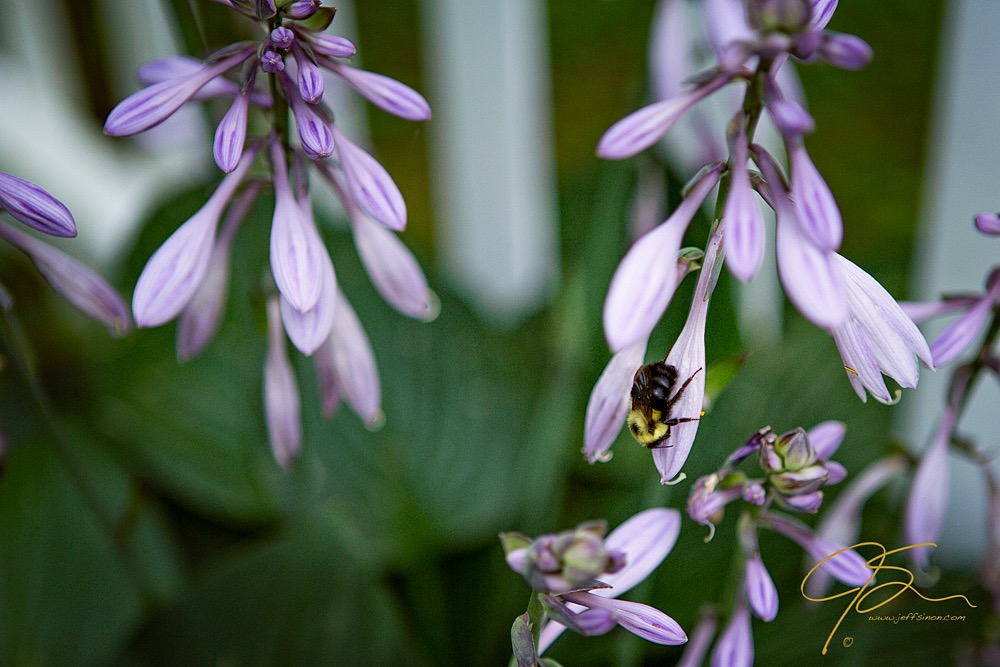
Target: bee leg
[
  {"x": 676, "y": 397},
  {"x": 664, "y": 441}
]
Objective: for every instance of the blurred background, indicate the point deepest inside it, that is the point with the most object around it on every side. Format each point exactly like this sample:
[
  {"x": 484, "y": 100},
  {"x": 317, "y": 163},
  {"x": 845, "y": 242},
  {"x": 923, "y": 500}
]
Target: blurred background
[{"x": 142, "y": 518}]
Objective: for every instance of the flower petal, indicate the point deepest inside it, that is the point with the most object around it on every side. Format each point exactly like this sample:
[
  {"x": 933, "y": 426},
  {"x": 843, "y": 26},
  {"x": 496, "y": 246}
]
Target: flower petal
[
  {"x": 927, "y": 502},
  {"x": 760, "y": 590},
  {"x": 370, "y": 184},
  {"x": 643, "y": 128},
  {"x": 309, "y": 329},
  {"x": 33, "y": 206},
  {"x": 826, "y": 437},
  {"x": 647, "y": 622},
  {"x": 353, "y": 362},
  {"x": 281, "y": 394},
  {"x": 231, "y": 134},
  {"x": 609, "y": 401},
  {"x": 83, "y": 288},
  {"x": 735, "y": 645},
  {"x": 646, "y": 278},
  {"x": 819, "y": 217},
  {"x": 645, "y": 539},
  {"x": 964, "y": 331},
  {"x": 743, "y": 220},
  {"x": 385, "y": 93}
]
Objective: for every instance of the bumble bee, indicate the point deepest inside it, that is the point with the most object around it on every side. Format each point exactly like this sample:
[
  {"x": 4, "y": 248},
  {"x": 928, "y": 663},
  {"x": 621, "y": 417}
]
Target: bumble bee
[{"x": 649, "y": 419}]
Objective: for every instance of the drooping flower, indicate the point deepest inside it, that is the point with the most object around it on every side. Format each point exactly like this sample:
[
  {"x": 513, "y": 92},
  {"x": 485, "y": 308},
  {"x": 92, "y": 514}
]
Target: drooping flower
[
  {"x": 759, "y": 589},
  {"x": 843, "y": 564},
  {"x": 735, "y": 645},
  {"x": 281, "y": 393},
  {"x": 960, "y": 335}
]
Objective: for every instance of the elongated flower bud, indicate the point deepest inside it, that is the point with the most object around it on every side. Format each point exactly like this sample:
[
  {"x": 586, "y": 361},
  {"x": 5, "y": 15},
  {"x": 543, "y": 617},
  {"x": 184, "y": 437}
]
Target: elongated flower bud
[{"x": 34, "y": 207}]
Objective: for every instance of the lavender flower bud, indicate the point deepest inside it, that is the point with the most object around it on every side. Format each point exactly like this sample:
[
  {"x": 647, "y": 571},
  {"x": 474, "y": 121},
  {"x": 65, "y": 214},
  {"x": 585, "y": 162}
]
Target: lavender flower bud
[
  {"x": 794, "y": 449},
  {"x": 760, "y": 590},
  {"x": 927, "y": 502},
  {"x": 264, "y": 9},
  {"x": 743, "y": 220},
  {"x": 845, "y": 51},
  {"x": 271, "y": 62},
  {"x": 819, "y": 215},
  {"x": 754, "y": 493},
  {"x": 301, "y": 9},
  {"x": 701, "y": 639},
  {"x": 705, "y": 503},
  {"x": 988, "y": 223},
  {"x": 282, "y": 38},
  {"x": 961, "y": 334},
  {"x": 310, "y": 79},
  {"x": 801, "y": 482},
  {"x": 808, "y": 503},
  {"x": 314, "y": 130},
  {"x": 370, "y": 184},
  {"x": 231, "y": 133},
  {"x": 349, "y": 356},
  {"x": 35, "y": 207},
  {"x": 281, "y": 393},
  {"x": 83, "y": 288},
  {"x": 567, "y": 561},
  {"x": 331, "y": 46},
  {"x": 735, "y": 645},
  {"x": 384, "y": 92}
]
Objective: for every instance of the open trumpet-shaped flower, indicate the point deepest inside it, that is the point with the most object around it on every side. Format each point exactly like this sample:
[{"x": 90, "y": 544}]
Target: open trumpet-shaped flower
[{"x": 612, "y": 565}]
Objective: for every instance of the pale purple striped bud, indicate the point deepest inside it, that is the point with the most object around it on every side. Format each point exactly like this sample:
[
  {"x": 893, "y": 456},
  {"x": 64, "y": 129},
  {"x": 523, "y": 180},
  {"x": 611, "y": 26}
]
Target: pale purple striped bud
[
  {"x": 760, "y": 590},
  {"x": 735, "y": 645},
  {"x": 790, "y": 117},
  {"x": 315, "y": 131},
  {"x": 927, "y": 502},
  {"x": 201, "y": 317},
  {"x": 282, "y": 38},
  {"x": 301, "y": 9},
  {"x": 310, "y": 328},
  {"x": 231, "y": 133},
  {"x": 163, "y": 69},
  {"x": 331, "y": 46},
  {"x": 272, "y": 62},
  {"x": 808, "y": 503},
  {"x": 83, "y": 288},
  {"x": 393, "y": 269},
  {"x": 172, "y": 275},
  {"x": 609, "y": 401},
  {"x": 281, "y": 393},
  {"x": 688, "y": 356},
  {"x": 348, "y": 356},
  {"x": 878, "y": 337},
  {"x": 154, "y": 104},
  {"x": 819, "y": 216},
  {"x": 369, "y": 184},
  {"x": 642, "y": 620},
  {"x": 309, "y": 78},
  {"x": 754, "y": 493},
  {"x": 961, "y": 334},
  {"x": 646, "y": 278},
  {"x": 384, "y": 92},
  {"x": 643, "y": 128},
  {"x": 296, "y": 253},
  {"x": 701, "y": 639},
  {"x": 742, "y": 218},
  {"x": 847, "y": 566},
  {"x": 988, "y": 223},
  {"x": 836, "y": 473},
  {"x": 31, "y": 205},
  {"x": 845, "y": 51}
]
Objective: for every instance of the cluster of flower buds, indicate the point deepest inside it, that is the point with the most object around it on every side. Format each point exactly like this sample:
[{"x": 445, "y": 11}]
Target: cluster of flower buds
[
  {"x": 795, "y": 464},
  {"x": 578, "y": 574},
  {"x": 187, "y": 277},
  {"x": 35, "y": 208}
]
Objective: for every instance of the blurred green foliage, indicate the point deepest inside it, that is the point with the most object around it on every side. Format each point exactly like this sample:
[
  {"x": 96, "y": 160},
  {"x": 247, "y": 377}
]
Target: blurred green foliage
[{"x": 143, "y": 521}]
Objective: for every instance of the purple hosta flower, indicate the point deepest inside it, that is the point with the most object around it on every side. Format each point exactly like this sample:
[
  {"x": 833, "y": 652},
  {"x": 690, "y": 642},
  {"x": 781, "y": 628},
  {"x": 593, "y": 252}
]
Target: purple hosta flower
[
  {"x": 846, "y": 566},
  {"x": 281, "y": 393},
  {"x": 272, "y": 62},
  {"x": 200, "y": 318},
  {"x": 708, "y": 497},
  {"x": 609, "y": 402},
  {"x": 841, "y": 523},
  {"x": 794, "y": 472},
  {"x": 155, "y": 103},
  {"x": 174, "y": 272},
  {"x": 282, "y": 38},
  {"x": 331, "y": 46},
  {"x": 688, "y": 356},
  {"x": 301, "y": 9},
  {"x": 877, "y": 337},
  {"x": 818, "y": 214},
  {"x": 701, "y": 639},
  {"x": 345, "y": 367},
  {"x": 742, "y": 219},
  {"x": 384, "y": 92},
  {"x": 298, "y": 255},
  {"x": 231, "y": 133},
  {"x": 961, "y": 334},
  {"x": 759, "y": 589},
  {"x": 735, "y": 645},
  {"x": 369, "y": 184},
  {"x": 808, "y": 274},
  {"x": 643, "y": 128},
  {"x": 314, "y": 129},
  {"x": 927, "y": 503},
  {"x": 845, "y": 51},
  {"x": 645, "y": 280},
  {"x": 29, "y": 204},
  {"x": 988, "y": 223},
  {"x": 164, "y": 69},
  {"x": 309, "y": 77},
  {"x": 642, "y": 542},
  {"x": 78, "y": 284}
]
